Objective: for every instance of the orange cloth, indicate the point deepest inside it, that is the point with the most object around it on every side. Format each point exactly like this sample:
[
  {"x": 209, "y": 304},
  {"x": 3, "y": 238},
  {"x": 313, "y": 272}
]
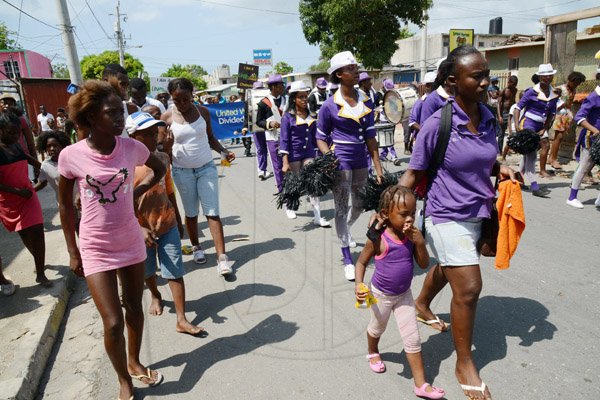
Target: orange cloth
[{"x": 511, "y": 215}]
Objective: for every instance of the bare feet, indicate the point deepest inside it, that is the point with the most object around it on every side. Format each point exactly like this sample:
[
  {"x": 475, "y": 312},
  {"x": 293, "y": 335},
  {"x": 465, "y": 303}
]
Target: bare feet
[
  {"x": 467, "y": 375},
  {"x": 425, "y": 315},
  {"x": 156, "y": 307},
  {"x": 126, "y": 391},
  {"x": 556, "y": 165},
  {"x": 186, "y": 327},
  {"x": 545, "y": 174}
]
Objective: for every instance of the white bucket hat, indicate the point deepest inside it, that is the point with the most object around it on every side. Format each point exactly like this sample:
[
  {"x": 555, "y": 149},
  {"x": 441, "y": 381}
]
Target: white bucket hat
[
  {"x": 429, "y": 77},
  {"x": 341, "y": 60},
  {"x": 545, "y": 69},
  {"x": 299, "y": 86}
]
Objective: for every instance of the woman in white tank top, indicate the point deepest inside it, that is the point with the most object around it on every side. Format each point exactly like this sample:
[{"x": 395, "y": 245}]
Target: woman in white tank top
[{"x": 194, "y": 171}]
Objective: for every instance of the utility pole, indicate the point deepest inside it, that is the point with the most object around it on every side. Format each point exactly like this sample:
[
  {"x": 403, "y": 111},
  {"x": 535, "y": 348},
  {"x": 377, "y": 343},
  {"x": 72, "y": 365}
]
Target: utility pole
[
  {"x": 424, "y": 51},
  {"x": 69, "y": 43},
  {"x": 119, "y": 34}
]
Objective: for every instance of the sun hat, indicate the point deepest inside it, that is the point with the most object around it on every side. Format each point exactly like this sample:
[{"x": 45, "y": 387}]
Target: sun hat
[
  {"x": 545, "y": 69},
  {"x": 141, "y": 120},
  {"x": 299, "y": 86},
  {"x": 322, "y": 83},
  {"x": 439, "y": 62},
  {"x": 388, "y": 84},
  {"x": 258, "y": 85},
  {"x": 341, "y": 60},
  {"x": 8, "y": 96},
  {"x": 274, "y": 79},
  {"x": 363, "y": 77},
  {"x": 332, "y": 86},
  {"x": 429, "y": 77}
]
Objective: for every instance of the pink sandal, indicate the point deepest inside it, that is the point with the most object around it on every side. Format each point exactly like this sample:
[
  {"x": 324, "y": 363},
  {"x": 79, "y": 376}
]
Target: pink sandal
[
  {"x": 379, "y": 366},
  {"x": 436, "y": 393}
]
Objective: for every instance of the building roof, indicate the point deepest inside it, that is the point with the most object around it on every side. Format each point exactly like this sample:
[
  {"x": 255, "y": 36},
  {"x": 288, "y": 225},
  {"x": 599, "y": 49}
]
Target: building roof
[
  {"x": 220, "y": 88},
  {"x": 580, "y": 36}
]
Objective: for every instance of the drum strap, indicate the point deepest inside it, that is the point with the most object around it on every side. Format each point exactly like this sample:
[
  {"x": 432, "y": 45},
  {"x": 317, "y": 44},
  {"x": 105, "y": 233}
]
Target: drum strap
[{"x": 439, "y": 153}]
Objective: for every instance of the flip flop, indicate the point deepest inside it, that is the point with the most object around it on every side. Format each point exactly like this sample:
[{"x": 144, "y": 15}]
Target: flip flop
[
  {"x": 444, "y": 326},
  {"x": 474, "y": 389},
  {"x": 149, "y": 377}
]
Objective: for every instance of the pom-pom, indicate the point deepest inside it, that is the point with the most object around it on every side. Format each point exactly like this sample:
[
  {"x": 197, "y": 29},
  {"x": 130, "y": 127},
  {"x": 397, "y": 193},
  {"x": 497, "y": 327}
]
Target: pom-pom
[
  {"x": 291, "y": 192},
  {"x": 371, "y": 192},
  {"x": 524, "y": 142},
  {"x": 595, "y": 151},
  {"x": 317, "y": 177}
]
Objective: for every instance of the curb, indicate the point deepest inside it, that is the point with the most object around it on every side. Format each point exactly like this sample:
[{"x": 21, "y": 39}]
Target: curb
[{"x": 22, "y": 377}]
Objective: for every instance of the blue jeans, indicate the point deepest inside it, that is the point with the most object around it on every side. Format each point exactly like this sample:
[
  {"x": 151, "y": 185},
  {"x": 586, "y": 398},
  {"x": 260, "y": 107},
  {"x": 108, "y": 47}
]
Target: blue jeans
[
  {"x": 168, "y": 249},
  {"x": 198, "y": 185}
]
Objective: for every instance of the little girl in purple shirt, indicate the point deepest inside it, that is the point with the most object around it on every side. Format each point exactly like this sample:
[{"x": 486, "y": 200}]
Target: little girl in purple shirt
[{"x": 400, "y": 242}]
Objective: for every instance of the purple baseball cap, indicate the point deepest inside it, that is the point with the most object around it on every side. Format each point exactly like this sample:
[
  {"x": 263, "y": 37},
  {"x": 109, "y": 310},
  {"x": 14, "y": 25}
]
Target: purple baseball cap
[
  {"x": 321, "y": 83},
  {"x": 363, "y": 76},
  {"x": 388, "y": 84},
  {"x": 258, "y": 85},
  {"x": 274, "y": 79}
]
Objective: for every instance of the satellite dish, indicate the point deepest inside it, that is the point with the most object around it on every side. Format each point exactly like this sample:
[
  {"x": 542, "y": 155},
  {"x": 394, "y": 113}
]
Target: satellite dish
[{"x": 125, "y": 19}]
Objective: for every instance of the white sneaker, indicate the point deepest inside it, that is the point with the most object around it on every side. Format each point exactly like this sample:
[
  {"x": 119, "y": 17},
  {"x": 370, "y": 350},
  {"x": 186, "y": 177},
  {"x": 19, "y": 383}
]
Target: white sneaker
[
  {"x": 291, "y": 214},
  {"x": 322, "y": 222},
  {"x": 349, "y": 272},
  {"x": 261, "y": 175},
  {"x": 351, "y": 242},
  {"x": 574, "y": 203},
  {"x": 198, "y": 253},
  {"x": 223, "y": 267},
  {"x": 597, "y": 202}
]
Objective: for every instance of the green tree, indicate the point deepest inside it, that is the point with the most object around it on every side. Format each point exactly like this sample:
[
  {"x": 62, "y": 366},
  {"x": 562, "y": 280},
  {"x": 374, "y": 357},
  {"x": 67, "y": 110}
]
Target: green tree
[
  {"x": 283, "y": 68},
  {"x": 338, "y": 25},
  {"x": 92, "y": 65},
  {"x": 60, "y": 70},
  {"x": 6, "y": 43},
  {"x": 322, "y": 65},
  {"x": 191, "y": 71}
]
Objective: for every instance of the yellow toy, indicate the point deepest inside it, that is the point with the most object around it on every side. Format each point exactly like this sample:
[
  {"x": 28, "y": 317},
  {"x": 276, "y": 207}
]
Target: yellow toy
[{"x": 369, "y": 300}]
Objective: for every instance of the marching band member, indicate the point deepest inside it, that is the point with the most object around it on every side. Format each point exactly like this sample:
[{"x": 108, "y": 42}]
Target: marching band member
[
  {"x": 436, "y": 99},
  {"x": 297, "y": 143},
  {"x": 348, "y": 119},
  {"x": 387, "y": 85},
  {"x": 260, "y": 140},
  {"x": 539, "y": 106},
  {"x": 365, "y": 85},
  {"x": 268, "y": 117},
  {"x": 317, "y": 97},
  {"x": 414, "y": 120}
]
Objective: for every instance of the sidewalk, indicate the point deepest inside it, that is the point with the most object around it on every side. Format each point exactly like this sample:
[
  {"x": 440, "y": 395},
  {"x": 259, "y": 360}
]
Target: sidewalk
[{"x": 30, "y": 318}]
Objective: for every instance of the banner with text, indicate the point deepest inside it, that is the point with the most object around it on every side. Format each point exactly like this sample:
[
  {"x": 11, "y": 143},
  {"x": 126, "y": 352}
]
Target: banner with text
[
  {"x": 247, "y": 75},
  {"x": 226, "y": 119},
  {"x": 158, "y": 85},
  {"x": 461, "y": 37},
  {"x": 262, "y": 57}
]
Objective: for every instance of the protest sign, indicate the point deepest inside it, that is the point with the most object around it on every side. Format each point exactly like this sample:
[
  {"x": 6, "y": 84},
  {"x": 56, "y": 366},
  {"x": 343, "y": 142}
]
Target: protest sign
[
  {"x": 247, "y": 75},
  {"x": 158, "y": 85}
]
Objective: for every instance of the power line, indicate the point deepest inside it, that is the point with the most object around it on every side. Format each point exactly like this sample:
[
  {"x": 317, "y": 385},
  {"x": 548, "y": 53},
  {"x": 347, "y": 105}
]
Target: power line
[
  {"x": 97, "y": 21},
  {"x": 248, "y": 8},
  {"x": 30, "y": 16},
  {"x": 19, "y": 27},
  {"x": 80, "y": 42},
  {"x": 506, "y": 13}
]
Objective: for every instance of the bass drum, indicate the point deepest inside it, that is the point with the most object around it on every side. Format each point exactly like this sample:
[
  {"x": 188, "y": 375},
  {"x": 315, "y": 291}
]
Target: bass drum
[
  {"x": 397, "y": 103},
  {"x": 253, "y": 97}
]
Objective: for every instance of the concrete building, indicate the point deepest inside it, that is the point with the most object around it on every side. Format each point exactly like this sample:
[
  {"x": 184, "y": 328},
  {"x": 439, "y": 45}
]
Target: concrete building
[
  {"x": 408, "y": 55},
  {"x": 220, "y": 76},
  {"x": 523, "y": 59},
  {"x": 24, "y": 64}
]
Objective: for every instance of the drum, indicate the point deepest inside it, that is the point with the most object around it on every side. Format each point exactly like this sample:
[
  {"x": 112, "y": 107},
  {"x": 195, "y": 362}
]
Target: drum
[
  {"x": 253, "y": 98},
  {"x": 397, "y": 103},
  {"x": 385, "y": 134}
]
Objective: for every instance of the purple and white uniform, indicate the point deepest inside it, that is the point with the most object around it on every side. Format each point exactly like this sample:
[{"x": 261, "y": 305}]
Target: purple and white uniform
[
  {"x": 348, "y": 128},
  {"x": 297, "y": 138},
  {"x": 433, "y": 102}
]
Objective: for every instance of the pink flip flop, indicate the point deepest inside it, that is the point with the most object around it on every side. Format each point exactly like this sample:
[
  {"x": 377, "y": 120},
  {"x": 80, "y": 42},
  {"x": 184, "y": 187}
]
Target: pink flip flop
[
  {"x": 379, "y": 366},
  {"x": 436, "y": 393}
]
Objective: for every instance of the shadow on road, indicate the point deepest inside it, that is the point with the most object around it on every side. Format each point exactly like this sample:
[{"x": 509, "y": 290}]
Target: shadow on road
[
  {"x": 210, "y": 305},
  {"x": 497, "y": 318},
  {"x": 271, "y": 330}
]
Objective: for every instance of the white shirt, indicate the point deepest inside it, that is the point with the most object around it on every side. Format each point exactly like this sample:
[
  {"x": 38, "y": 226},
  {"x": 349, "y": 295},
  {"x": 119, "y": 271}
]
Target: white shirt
[
  {"x": 43, "y": 120},
  {"x": 511, "y": 112},
  {"x": 151, "y": 102}
]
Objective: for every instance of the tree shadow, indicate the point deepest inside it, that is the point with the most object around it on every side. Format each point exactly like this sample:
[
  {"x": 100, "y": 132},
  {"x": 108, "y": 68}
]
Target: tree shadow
[
  {"x": 271, "y": 330},
  {"x": 210, "y": 305},
  {"x": 497, "y": 318}
]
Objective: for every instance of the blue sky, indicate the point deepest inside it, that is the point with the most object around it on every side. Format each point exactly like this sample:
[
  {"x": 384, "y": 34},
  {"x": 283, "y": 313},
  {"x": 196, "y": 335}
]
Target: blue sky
[{"x": 215, "y": 32}]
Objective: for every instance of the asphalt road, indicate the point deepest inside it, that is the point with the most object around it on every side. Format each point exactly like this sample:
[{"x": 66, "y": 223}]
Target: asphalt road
[{"x": 285, "y": 325}]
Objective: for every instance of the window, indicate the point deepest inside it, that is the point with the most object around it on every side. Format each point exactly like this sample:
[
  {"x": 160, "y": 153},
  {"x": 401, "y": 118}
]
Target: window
[
  {"x": 513, "y": 64},
  {"x": 11, "y": 68},
  {"x": 480, "y": 44}
]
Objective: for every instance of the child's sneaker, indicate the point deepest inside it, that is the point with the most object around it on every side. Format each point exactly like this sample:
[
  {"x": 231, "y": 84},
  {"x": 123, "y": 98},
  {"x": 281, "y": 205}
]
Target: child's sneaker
[
  {"x": 349, "y": 272},
  {"x": 575, "y": 203},
  {"x": 597, "y": 202},
  {"x": 199, "y": 257},
  {"x": 223, "y": 266},
  {"x": 436, "y": 393}
]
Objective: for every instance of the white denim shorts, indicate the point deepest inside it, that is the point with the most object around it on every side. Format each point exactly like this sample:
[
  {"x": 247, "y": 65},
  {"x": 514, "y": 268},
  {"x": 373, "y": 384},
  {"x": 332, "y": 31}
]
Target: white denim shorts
[{"x": 454, "y": 243}]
